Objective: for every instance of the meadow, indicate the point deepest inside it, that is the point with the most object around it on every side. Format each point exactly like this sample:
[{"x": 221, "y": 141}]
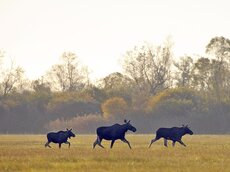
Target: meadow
[{"x": 27, "y": 153}]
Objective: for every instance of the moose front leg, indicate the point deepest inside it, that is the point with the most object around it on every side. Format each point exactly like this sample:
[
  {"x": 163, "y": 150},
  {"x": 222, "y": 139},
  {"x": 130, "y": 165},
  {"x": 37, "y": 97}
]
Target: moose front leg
[
  {"x": 112, "y": 142},
  {"x": 165, "y": 143},
  {"x": 126, "y": 141},
  {"x": 181, "y": 143},
  {"x": 67, "y": 143},
  {"x": 173, "y": 143}
]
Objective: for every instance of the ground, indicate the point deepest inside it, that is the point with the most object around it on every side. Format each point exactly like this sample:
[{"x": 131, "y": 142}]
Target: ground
[{"x": 27, "y": 153}]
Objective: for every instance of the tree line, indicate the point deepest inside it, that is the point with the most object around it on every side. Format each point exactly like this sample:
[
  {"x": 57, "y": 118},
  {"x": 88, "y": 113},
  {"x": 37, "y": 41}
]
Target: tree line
[{"x": 155, "y": 89}]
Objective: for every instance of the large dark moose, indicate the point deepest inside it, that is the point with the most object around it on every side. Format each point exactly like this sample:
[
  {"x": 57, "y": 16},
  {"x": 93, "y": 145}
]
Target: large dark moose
[
  {"x": 59, "y": 137},
  {"x": 175, "y": 134},
  {"x": 113, "y": 133}
]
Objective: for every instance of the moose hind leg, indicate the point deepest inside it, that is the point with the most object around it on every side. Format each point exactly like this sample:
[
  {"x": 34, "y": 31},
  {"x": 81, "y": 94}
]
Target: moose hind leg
[
  {"x": 95, "y": 143},
  {"x": 99, "y": 143},
  {"x": 152, "y": 141},
  {"x": 47, "y": 144}
]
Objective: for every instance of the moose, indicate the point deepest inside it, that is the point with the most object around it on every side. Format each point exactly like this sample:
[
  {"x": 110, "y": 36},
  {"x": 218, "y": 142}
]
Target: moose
[
  {"x": 113, "y": 133},
  {"x": 175, "y": 134},
  {"x": 59, "y": 137}
]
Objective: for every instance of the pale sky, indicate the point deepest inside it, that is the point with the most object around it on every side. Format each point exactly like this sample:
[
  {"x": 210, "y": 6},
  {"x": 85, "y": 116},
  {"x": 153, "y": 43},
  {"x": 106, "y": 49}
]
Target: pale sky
[{"x": 36, "y": 32}]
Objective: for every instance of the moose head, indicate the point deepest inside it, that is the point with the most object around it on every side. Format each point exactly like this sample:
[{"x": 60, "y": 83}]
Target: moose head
[
  {"x": 70, "y": 133},
  {"x": 187, "y": 129},
  {"x": 129, "y": 126}
]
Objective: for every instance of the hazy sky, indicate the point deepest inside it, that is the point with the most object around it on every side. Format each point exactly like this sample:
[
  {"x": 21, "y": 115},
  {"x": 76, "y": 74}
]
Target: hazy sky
[{"x": 36, "y": 32}]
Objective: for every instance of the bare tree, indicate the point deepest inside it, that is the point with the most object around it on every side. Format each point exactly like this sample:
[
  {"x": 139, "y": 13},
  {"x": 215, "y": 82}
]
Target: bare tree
[
  {"x": 219, "y": 47},
  {"x": 11, "y": 79},
  {"x": 183, "y": 74},
  {"x": 69, "y": 75},
  {"x": 149, "y": 67},
  {"x": 201, "y": 74}
]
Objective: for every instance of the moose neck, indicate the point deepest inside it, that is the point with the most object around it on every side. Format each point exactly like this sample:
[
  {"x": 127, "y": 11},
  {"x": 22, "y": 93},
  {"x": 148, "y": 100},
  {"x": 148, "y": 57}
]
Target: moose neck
[
  {"x": 66, "y": 134},
  {"x": 182, "y": 131},
  {"x": 125, "y": 127}
]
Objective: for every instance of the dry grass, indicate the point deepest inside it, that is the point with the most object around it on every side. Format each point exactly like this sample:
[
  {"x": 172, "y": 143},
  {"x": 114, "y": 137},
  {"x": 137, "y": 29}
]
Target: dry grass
[{"x": 27, "y": 153}]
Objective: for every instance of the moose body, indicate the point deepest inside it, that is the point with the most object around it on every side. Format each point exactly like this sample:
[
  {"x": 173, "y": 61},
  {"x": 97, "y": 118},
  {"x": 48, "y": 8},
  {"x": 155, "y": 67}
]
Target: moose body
[
  {"x": 174, "y": 134},
  {"x": 59, "y": 137},
  {"x": 113, "y": 133}
]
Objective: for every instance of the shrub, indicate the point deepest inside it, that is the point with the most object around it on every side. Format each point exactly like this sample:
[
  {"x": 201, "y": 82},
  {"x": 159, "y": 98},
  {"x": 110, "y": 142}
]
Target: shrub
[
  {"x": 80, "y": 124},
  {"x": 114, "y": 108},
  {"x": 174, "y": 102}
]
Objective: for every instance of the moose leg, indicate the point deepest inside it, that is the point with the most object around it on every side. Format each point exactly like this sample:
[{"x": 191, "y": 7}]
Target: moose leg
[
  {"x": 47, "y": 144},
  {"x": 181, "y": 142},
  {"x": 59, "y": 145},
  {"x": 165, "y": 143},
  {"x": 97, "y": 142},
  {"x": 173, "y": 143},
  {"x": 112, "y": 144},
  {"x": 152, "y": 141},
  {"x": 67, "y": 143},
  {"x": 126, "y": 141}
]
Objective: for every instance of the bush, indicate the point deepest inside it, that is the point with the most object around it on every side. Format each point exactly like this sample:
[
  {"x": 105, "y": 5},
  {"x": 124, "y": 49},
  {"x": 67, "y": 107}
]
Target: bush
[
  {"x": 80, "y": 124},
  {"x": 114, "y": 108},
  {"x": 182, "y": 99}
]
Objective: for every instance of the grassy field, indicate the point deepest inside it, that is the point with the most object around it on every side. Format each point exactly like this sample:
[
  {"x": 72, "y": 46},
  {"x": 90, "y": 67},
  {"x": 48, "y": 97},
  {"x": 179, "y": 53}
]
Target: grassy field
[{"x": 27, "y": 153}]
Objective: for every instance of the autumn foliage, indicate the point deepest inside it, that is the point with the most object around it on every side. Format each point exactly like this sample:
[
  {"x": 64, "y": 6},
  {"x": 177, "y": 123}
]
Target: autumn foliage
[{"x": 114, "y": 108}]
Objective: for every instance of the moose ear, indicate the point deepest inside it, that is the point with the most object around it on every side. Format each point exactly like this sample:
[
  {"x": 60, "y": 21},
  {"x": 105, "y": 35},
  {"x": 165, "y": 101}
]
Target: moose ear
[
  {"x": 129, "y": 121},
  {"x": 67, "y": 129},
  {"x": 70, "y": 129},
  {"x": 125, "y": 121}
]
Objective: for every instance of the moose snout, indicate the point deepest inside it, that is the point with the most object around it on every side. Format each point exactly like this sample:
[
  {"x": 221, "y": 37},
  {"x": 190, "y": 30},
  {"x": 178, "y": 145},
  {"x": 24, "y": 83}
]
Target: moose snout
[
  {"x": 134, "y": 129},
  {"x": 73, "y": 135}
]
